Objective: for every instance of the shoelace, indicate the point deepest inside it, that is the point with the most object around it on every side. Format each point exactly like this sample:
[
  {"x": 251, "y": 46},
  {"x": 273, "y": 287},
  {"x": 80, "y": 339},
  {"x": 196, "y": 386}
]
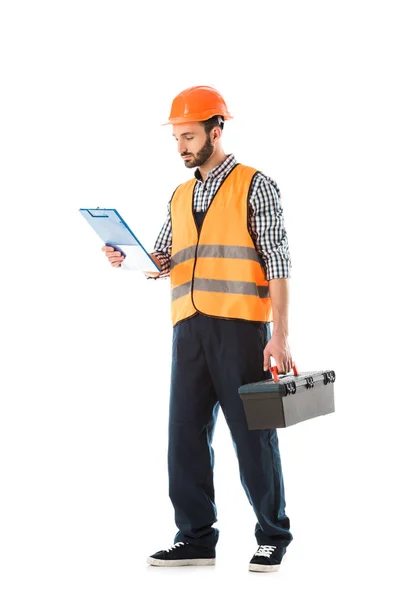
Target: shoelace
[
  {"x": 176, "y": 546},
  {"x": 265, "y": 551}
]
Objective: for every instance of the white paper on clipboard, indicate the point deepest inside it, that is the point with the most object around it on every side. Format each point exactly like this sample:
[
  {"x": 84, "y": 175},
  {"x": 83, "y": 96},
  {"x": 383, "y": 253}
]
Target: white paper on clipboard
[{"x": 137, "y": 260}]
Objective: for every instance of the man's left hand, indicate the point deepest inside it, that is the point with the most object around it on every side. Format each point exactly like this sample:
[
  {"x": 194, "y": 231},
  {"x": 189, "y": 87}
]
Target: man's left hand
[{"x": 278, "y": 347}]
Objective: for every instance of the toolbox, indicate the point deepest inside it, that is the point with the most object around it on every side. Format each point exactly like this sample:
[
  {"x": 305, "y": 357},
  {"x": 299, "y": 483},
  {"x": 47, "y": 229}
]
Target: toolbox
[{"x": 285, "y": 400}]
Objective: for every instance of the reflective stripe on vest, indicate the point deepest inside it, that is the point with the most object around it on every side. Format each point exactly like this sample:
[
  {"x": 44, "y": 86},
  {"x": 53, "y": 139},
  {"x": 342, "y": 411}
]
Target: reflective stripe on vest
[
  {"x": 218, "y": 285},
  {"x": 217, "y": 270},
  {"x": 215, "y": 251}
]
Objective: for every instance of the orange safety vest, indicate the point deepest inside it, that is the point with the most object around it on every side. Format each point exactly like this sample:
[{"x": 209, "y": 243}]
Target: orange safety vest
[{"x": 217, "y": 270}]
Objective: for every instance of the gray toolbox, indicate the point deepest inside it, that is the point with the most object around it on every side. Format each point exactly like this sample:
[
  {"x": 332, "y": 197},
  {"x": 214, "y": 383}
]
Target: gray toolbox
[{"x": 288, "y": 399}]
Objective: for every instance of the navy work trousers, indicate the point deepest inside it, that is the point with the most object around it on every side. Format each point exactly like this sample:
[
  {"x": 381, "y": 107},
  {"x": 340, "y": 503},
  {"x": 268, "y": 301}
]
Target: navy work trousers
[{"x": 211, "y": 359}]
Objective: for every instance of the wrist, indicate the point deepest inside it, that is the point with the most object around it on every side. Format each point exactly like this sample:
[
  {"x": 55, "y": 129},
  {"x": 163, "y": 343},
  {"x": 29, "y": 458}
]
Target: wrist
[{"x": 280, "y": 332}]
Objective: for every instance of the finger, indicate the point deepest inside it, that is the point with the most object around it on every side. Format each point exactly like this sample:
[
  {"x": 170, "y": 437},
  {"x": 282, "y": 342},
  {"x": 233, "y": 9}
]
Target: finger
[
  {"x": 267, "y": 359},
  {"x": 105, "y": 248},
  {"x": 116, "y": 253},
  {"x": 116, "y": 262}
]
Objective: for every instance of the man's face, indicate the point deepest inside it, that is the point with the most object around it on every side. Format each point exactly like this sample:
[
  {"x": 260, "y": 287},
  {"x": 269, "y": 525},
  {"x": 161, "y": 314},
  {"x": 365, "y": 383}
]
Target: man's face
[{"x": 194, "y": 145}]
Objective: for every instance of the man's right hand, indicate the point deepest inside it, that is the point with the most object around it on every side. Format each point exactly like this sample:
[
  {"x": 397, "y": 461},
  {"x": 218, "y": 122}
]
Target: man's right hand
[
  {"x": 114, "y": 256},
  {"x": 153, "y": 274}
]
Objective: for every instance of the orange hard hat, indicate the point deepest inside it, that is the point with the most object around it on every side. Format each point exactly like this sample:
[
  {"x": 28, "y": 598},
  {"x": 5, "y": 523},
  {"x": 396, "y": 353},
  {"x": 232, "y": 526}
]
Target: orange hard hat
[{"x": 197, "y": 103}]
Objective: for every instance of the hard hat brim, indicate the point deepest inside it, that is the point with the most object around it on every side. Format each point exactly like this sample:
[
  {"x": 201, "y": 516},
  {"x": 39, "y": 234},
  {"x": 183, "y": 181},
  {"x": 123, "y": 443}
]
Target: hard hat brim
[{"x": 192, "y": 118}]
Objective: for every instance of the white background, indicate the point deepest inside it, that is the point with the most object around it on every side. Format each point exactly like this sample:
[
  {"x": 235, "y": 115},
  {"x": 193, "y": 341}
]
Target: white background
[{"x": 85, "y": 348}]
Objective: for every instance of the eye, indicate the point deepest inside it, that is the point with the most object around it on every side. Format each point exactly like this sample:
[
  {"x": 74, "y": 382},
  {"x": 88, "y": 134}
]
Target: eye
[{"x": 189, "y": 138}]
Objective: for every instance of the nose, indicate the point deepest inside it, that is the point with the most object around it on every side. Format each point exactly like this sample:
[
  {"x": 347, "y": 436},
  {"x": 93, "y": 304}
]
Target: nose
[{"x": 182, "y": 146}]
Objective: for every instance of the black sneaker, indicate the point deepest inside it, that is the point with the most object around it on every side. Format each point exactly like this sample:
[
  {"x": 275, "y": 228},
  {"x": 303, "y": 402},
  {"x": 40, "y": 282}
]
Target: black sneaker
[
  {"x": 183, "y": 554},
  {"x": 267, "y": 559}
]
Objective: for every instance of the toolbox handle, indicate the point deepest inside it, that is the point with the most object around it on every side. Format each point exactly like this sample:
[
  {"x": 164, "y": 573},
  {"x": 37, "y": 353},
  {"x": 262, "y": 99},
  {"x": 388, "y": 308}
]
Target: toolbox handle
[{"x": 274, "y": 371}]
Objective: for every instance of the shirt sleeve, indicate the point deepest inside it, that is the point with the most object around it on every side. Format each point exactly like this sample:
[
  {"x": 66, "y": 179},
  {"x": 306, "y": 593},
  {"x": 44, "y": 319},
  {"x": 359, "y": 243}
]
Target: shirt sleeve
[{"x": 266, "y": 222}]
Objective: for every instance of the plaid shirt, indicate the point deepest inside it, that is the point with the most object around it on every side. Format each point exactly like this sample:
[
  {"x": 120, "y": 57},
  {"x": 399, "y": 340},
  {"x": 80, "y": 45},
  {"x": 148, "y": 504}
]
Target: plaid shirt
[{"x": 266, "y": 222}]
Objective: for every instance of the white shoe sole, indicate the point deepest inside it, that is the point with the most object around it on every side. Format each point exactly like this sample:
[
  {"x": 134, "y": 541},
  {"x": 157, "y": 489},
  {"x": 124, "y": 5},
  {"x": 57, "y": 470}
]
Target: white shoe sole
[
  {"x": 263, "y": 568},
  {"x": 188, "y": 562}
]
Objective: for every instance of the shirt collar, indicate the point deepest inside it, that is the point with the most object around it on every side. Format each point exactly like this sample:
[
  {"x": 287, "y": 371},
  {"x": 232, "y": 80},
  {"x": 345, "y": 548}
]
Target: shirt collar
[{"x": 220, "y": 171}]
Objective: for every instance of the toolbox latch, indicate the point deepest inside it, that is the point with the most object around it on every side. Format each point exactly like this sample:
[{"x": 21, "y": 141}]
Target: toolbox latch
[
  {"x": 309, "y": 382},
  {"x": 289, "y": 388},
  {"x": 329, "y": 377}
]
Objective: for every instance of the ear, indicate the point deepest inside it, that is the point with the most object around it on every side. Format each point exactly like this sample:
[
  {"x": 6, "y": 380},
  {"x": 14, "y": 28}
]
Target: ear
[{"x": 216, "y": 134}]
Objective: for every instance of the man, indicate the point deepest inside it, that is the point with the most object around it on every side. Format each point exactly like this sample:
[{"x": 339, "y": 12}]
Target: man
[{"x": 224, "y": 246}]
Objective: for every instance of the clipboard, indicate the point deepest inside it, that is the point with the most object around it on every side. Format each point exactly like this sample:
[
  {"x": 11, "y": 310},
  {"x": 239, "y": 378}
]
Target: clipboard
[{"x": 115, "y": 232}]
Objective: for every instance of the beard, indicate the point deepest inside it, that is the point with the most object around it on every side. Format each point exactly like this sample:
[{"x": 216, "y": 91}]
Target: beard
[{"x": 201, "y": 156}]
